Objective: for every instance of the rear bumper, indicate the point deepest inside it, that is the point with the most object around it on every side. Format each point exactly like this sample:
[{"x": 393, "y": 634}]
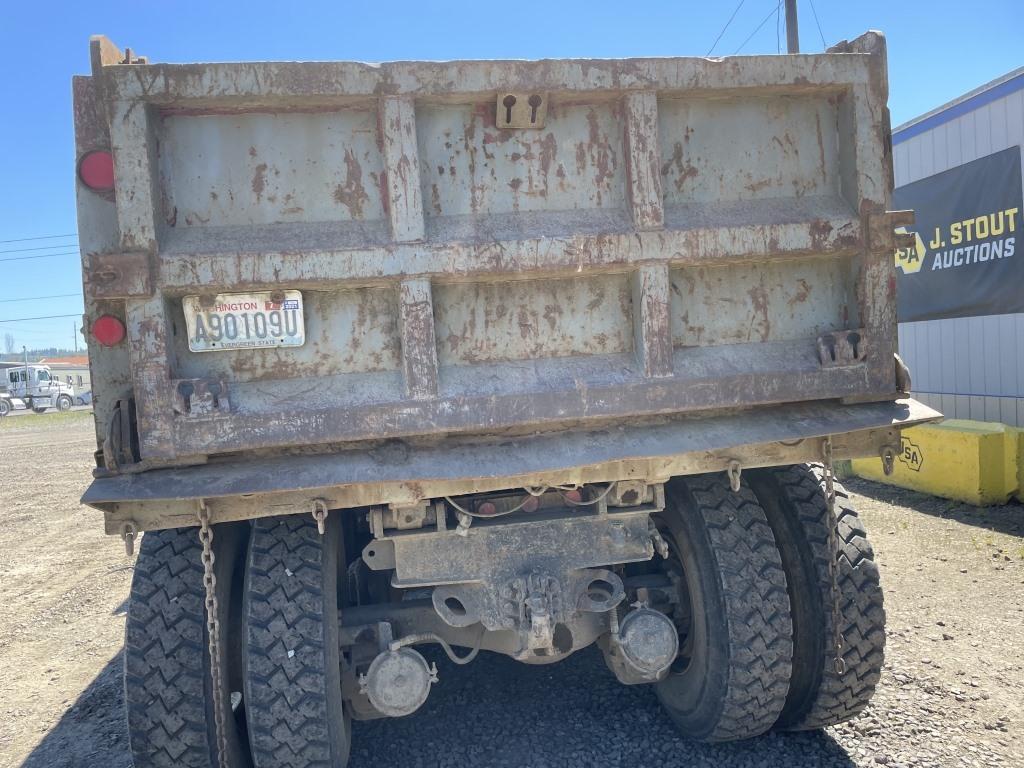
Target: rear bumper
[{"x": 400, "y": 473}]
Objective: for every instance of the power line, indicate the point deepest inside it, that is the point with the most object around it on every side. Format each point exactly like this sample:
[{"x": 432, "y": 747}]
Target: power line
[
  {"x": 725, "y": 27},
  {"x": 42, "y": 317},
  {"x": 758, "y": 27},
  {"x": 38, "y": 248},
  {"x": 818, "y": 23},
  {"x": 40, "y": 256},
  {"x": 35, "y": 298},
  {"x": 41, "y": 237}
]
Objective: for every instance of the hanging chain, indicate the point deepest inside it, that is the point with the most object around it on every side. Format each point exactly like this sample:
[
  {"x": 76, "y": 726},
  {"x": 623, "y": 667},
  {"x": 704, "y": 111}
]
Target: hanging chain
[
  {"x": 213, "y": 631},
  {"x": 833, "y": 560}
]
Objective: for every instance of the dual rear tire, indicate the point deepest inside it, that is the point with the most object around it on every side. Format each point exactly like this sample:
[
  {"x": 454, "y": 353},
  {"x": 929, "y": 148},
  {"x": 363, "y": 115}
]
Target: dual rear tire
[
  {"x": 169, "y": 695},
  {"x": 732, "y": 676},
  {"x": 820, "y": 694},
  {"x": 293, "y": 680},
  {"x": 759, "y": 638},
  {"x": 277, "y": 596}
]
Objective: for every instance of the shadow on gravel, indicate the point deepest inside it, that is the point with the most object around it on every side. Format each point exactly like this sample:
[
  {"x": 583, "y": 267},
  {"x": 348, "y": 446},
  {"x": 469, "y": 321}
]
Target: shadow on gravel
[
  {"x": 498, "y": 712},
  {"x": 92, "y": 732},
  {"x": 493, "y": 713},
  {"x": 1008, "y": 519}
]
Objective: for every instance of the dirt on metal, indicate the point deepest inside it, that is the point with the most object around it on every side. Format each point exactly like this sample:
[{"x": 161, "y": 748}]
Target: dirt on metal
[{"x": 951, "y": 693}]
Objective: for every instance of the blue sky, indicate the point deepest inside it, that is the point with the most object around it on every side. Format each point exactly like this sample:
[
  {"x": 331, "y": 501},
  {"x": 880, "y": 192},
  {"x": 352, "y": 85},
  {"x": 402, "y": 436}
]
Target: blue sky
[{"x": 937, "y": 51}]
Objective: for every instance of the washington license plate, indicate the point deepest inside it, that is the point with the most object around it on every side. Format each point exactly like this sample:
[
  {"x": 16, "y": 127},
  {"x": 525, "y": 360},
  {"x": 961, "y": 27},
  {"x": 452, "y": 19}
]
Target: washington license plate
[{"x": 244, "y": 321}]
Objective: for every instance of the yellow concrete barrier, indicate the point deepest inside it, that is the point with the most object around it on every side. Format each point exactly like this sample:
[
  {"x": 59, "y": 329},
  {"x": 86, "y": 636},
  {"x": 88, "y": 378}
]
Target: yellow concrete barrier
[{"x": 975, "y": 462}]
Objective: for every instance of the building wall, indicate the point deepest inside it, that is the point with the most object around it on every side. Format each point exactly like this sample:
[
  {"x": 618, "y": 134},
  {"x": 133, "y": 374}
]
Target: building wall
[
  {"x": 79, "y": 376},
  {"x": 968, "y": 368}
]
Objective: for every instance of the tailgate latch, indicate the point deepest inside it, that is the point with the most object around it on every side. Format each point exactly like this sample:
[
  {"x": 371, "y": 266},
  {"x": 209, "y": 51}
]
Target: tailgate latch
[{"x": 521, "y": 110}]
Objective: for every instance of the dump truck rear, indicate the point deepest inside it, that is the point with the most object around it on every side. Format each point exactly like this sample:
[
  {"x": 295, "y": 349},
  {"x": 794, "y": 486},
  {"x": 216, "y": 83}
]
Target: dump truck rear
[{"x": 514, "y": 356}]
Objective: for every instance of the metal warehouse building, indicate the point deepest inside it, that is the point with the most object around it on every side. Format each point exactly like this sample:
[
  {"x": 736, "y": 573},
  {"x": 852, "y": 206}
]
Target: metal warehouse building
[{"x": 968, "y": 361}]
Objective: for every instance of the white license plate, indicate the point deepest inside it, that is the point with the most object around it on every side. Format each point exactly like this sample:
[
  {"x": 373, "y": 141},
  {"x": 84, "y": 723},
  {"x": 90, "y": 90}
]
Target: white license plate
[{"x": 244, "y": 321}]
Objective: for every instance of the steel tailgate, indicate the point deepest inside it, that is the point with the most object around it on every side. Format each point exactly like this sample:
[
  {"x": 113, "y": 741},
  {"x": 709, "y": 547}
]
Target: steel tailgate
[{"x": 675, "y": 235}]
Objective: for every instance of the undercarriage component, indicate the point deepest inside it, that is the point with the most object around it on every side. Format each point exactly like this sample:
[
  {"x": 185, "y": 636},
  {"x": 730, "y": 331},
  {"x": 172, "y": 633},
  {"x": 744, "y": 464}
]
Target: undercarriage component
[
  {"x": 730, "y": 678},
  {"x": 642, "y": 648},
  {"x": 398, "y": 682},
  {"x": 536, "y": 575},
  {"x": 820, "y": 694},
  {"x": 416, "y": 621}
]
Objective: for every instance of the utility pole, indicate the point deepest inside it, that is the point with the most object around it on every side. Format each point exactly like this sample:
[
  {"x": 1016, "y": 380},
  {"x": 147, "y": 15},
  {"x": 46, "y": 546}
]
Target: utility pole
[
  {"x": 792, "y": 29},
  {"x": 74, "y": 334}
]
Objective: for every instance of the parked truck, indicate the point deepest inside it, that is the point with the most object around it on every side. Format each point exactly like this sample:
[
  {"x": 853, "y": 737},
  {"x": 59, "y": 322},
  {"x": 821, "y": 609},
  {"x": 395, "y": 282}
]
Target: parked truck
[
  {"x": 37, "y": 388},
  {"x": 8, "y": 404},
  {"x": 514, "y": 356}
]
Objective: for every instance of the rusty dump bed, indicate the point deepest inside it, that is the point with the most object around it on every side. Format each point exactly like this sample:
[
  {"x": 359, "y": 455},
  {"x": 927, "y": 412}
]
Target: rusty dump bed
[{"x": 484, "y": 251}]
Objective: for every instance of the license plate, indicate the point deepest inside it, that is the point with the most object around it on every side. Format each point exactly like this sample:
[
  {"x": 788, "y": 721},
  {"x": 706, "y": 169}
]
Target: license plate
[{"x": 244, "y": 321}]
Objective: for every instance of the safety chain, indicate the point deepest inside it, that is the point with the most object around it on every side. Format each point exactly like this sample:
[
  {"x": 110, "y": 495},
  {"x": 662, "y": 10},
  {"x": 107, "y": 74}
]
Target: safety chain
[
  {"x": 833, "y": 560},
  {"x": 213, "y": 631}
]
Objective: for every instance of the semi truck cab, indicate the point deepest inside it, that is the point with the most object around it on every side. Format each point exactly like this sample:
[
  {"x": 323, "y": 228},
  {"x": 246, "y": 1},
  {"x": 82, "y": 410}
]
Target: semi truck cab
[{"x": 37, "y": 386}]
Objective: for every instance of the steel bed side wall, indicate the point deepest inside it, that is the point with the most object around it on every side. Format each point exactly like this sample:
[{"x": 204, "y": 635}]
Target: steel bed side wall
[{"x": 418, "y": 254}]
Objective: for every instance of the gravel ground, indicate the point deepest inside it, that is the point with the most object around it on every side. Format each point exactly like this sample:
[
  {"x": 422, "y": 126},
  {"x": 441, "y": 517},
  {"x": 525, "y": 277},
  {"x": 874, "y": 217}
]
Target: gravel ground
[{"x": 952, "y": 693}]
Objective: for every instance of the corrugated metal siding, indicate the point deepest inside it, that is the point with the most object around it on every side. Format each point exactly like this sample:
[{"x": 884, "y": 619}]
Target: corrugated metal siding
[{"x": 968, "y": 368}]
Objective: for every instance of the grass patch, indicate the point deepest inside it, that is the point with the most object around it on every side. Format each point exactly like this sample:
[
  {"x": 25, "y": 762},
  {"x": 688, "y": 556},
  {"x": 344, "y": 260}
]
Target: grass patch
[{"x": 47, "y": 420}]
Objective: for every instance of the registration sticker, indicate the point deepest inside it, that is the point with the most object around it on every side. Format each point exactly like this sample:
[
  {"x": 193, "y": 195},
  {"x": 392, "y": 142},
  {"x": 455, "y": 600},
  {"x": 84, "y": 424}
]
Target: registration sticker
[{"x": 244, "y": 321}]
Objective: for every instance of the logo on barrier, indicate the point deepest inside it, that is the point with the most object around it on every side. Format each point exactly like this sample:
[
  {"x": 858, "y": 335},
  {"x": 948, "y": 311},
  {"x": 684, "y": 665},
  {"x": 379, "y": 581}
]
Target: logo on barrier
[
  {"x": 910, "y": 454},
  {"x": 910, "y": 259}
]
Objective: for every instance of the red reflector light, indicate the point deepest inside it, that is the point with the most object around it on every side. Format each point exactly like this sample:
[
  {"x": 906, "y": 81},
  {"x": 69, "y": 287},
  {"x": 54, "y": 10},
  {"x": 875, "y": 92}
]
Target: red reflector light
[
  {"x": 108, "y": 330},
  {"x": 96, "y": 170}
]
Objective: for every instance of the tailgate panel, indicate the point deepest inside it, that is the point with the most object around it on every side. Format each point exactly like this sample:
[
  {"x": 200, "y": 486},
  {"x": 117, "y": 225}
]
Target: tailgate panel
[{"x": 679, "y": 235}]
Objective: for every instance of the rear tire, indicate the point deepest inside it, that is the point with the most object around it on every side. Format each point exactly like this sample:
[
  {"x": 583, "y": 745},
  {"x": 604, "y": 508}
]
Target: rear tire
[
  {"x": 794, "y": 500},
  {"x": 293, "y": 678},
  {"x": 168, "y": 690},
  {"x": 5, "y": 407},
  {"x": 732, "y": 676}
]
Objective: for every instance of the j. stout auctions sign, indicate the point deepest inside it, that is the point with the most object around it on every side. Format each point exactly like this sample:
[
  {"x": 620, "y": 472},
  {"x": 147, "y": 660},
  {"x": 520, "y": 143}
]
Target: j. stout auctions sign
[{"x": 966, "y": 260}]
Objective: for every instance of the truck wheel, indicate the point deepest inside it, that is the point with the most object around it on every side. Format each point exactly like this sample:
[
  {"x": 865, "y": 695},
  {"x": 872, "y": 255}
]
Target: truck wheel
[
  {"x": 5, "y": 407},
  {"x": 168, "y": 690},
  {"x": 64, "y": 403},
  {"x": 293, "y": 678},
  {"x": 732, "y": 674},
  {"x": 794, "y": 500}
]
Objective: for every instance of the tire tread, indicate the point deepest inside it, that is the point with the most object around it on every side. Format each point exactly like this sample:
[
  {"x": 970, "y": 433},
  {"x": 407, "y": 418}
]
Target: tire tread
[
  {"x": 840, "y": 697},
  {"x": 287, "y": 635},
  {"x": 757, "y": 608},
  {"x": 165, "y": 656}
]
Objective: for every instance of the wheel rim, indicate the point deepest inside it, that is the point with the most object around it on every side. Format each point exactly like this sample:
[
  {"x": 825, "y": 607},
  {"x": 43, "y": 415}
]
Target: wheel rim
[{"x": 682, "y": 611}]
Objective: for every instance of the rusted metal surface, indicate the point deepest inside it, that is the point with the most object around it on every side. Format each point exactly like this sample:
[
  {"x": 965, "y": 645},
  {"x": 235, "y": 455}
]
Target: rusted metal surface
[
  {"x": 526, "y": 574},
  {"x": 666, "y": 236},
  {"x": 120, "y": 275},
  {"x": 254, "y": 168},
  {"x": 110, "y": 368},
  {"x": 400, "y": 473}
]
